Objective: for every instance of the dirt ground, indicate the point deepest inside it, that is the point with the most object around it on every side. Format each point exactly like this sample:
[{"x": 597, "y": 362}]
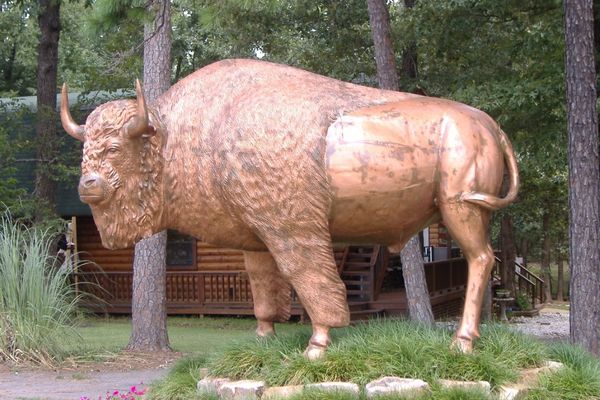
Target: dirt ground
[{"x": 92, "y": 380}]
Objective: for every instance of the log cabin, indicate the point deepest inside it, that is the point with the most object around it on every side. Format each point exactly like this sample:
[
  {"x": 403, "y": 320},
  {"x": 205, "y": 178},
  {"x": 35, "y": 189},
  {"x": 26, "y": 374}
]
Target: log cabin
[{"x": 208, "y": 280}]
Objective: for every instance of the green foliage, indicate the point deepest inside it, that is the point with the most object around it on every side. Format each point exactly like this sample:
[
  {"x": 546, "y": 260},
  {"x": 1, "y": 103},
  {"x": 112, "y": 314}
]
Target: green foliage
[
  {"x": 180, "y": 384},
  {"x": 37, "y": 301},
  {"x": 505, "y": 58},
  {"x": 18, "y": 29},
  {"x": 579, "y": 379},
  {"x": 522, "y": 301},
  {"x": 328, "y": 37},
  {"x": 99, "y": 51},
  {"x": 382, "y": 348},
  {"x": 12, "y": 146}
]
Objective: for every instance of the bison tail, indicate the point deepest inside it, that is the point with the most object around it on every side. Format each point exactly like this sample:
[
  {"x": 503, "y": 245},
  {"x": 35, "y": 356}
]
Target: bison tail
[{"x": 492, "y": 202}]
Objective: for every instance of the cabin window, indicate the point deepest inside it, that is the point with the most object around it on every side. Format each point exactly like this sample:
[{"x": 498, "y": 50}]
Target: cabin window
[{"x": 181, "y": 251}]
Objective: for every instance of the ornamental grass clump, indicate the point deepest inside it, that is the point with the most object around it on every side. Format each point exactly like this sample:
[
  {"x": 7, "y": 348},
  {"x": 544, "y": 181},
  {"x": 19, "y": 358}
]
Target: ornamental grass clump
[
  {"x": 578, "y": 379},
  {"x": 181, "y": 382},
  {"x": 37, "y": 301},
  {"x": 383, "y": 348}
]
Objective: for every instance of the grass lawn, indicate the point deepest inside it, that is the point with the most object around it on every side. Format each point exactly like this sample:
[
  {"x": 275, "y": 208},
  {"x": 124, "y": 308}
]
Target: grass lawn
[{"x": 189, "y": 335}]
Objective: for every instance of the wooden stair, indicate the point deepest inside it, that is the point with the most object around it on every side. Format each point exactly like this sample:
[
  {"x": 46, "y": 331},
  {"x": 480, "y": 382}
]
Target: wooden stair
[
  {"x": 356, "y": 265},
  {"x": 525, "y": 281}
]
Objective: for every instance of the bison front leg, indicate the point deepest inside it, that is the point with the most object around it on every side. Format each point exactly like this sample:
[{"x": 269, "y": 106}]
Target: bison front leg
[
  {"x": 307, "y": 263},
  {"x": 270, "y": 291}
]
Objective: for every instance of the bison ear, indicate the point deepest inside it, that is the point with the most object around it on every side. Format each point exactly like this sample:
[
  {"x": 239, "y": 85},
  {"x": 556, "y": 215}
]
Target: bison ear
[
  {"x": 68, "y": 123},
  {"x": 139, "y": 125}
]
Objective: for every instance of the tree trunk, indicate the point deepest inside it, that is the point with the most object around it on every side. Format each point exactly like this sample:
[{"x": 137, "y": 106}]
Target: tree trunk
[
  {"x": 45, "y": 185},
  {"x": 379, "y": 18},
  {"x": 560, "y": 284},
  {"x": 417, "y": 294},
  {"x": 547, "y": 276},
  {"x": 584, "y": 175},
  {"x": 507, "y": 272},
  {"x": 419, "y": 303},
  {"x": 148, "y": 304},
  {"x": 409, "y": 54}
]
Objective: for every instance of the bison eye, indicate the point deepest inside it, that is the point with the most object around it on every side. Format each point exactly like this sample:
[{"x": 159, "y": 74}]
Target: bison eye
[{"x": 112, "y": 150}]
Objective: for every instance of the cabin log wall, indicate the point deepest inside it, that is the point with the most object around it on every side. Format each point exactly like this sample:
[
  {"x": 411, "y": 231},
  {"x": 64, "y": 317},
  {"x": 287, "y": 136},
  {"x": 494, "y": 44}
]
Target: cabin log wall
[{"x": 219, "y": 285}]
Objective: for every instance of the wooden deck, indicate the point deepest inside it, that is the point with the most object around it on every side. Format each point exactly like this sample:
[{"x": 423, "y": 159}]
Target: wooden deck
[{"x": 228, "y": 292}]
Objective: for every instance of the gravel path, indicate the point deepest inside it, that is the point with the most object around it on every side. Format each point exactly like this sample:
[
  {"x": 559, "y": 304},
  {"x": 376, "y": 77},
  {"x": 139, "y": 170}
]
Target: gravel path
[
  {"x": 48, "y": 385},
  {"x": 550, "y": 325}
]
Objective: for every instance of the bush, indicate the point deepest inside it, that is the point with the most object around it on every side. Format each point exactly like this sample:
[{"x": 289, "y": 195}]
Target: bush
[
  {"x": 37, "y": 301},
  {"x": 523, "y": 302}
]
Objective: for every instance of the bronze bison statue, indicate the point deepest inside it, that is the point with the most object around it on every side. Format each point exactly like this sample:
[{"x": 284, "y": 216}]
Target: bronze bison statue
[{"x": 280, "y": 163}]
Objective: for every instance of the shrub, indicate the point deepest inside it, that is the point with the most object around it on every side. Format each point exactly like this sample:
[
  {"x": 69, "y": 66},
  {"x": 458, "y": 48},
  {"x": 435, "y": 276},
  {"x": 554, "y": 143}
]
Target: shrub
[{"x": 37, "y": 301}]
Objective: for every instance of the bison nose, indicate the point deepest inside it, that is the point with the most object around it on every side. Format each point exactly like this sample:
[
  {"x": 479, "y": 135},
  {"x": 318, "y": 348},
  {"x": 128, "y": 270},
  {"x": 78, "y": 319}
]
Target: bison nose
[
  {"x": 89, "y": 181},
  {"x": 90, "y": 189}
]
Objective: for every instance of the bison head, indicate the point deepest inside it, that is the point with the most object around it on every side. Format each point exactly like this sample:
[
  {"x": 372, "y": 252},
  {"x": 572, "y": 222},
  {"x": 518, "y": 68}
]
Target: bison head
[{"x": 121, "y": 171}]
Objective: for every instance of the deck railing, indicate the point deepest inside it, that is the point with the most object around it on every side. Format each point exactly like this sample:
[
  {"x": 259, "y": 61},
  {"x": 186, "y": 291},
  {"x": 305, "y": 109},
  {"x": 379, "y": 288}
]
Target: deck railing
[
  {"x": 228, "y": 292},
  {"x": 193, "y": 290},
  {"x": 446, "y": 275}
]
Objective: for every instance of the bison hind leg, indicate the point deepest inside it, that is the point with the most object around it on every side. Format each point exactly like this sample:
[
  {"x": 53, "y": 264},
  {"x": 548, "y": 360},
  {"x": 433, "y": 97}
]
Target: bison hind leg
[{"x": 468, "y": 226}]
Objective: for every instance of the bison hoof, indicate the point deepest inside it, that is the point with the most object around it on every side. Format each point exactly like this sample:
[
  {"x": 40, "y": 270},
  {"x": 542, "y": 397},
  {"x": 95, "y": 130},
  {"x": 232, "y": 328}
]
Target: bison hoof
[
  {"x": 265, "y": 329},
  {"x": 314, "y": 352},
  {"x": 462, "y": 345}
]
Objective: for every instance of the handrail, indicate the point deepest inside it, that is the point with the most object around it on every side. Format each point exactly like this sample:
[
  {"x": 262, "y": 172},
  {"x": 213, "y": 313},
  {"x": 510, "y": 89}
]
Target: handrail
[
  {"x": 525, "y": 278},
  {"x": 182, "y": 272},
  {"x": 533, "y": 282},
  {"x": 343, "y": 260},
  {"x": 537, "y": 278}
]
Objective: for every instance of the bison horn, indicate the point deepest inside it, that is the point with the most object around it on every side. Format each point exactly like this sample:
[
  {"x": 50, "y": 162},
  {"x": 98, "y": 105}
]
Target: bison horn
[
  {"x": 139, "y": 124},
  {"x": 70, "y": 126}
]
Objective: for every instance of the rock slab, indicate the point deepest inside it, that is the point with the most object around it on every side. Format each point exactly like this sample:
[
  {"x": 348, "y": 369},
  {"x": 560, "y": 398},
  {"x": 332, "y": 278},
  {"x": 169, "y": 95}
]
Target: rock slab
[
  {"x": 483, "y": 386},
  {"x": 242, "y": 390},
  {"x": 345, "y": 387},
  {"x": 511, "y": 393},
  {"x": 282, "y": 392},
  {"x": 394, "y": 385},
  {"x": 210, "y": 384}
]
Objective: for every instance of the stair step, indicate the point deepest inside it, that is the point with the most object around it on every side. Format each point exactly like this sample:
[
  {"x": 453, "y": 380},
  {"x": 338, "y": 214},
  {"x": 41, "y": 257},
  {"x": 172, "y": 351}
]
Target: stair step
[
  {"x": 351, "y": 292},
  {"x": 355, "y": 273},
  {"x": 353, "y": 265},
  {"x": 356, "y": 279},
  {"x": 357, "y": 285},
  {"x": 358, "y": 306},
  {"x": 359, "y": 255}
]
